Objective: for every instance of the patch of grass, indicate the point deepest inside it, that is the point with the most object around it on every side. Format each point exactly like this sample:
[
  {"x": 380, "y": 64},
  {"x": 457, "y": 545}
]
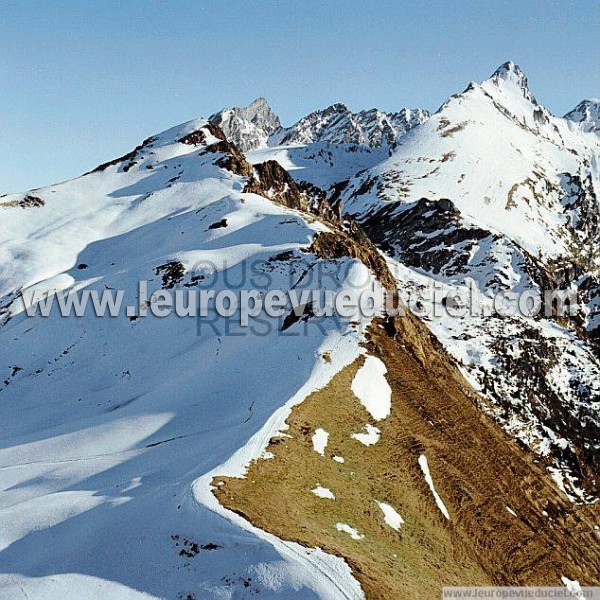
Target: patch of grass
[
  {"x": 452, "y": 130},
  {"x": 26, "y": 202},
  {"x": 477, "y": 471}
]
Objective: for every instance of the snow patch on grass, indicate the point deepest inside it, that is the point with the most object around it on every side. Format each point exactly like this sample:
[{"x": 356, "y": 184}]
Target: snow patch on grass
[
  {"x": 573, "y": 586},
  {"x": 370, "y": 437},
  {"x": 425, "y": 468},
  {"x": 349, "y": 530},
  {"x": 391, "y": 516},
  {"x": 323, "y": 492},
  {"x": 319, "y": 440},
  {"x": 371, "y": 388}
]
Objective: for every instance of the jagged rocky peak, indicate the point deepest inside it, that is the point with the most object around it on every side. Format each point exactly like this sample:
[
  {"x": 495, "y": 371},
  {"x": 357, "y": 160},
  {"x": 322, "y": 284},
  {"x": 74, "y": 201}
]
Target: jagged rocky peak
[
  {"x": 510, "y": 73},
  {"x": 248, "y": 127},
  {"x": 587, "y": 113},
  {"x": 338, "y": 124},
  {"x": 510, "y": 70}
]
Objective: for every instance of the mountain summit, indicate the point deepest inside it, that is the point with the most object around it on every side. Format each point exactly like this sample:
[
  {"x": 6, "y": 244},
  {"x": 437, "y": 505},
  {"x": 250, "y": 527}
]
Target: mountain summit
[
  {"x": 248, "y": 127},
  {"x": 511, "y": 71},
  {"x": 256, "y": 125},
  {"x": 587, "y": 114},
  {"x": 510, "y": 79}
]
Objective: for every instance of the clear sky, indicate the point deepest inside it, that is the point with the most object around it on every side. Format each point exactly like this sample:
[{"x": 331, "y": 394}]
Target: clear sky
[{"x": 84, "y": 81}]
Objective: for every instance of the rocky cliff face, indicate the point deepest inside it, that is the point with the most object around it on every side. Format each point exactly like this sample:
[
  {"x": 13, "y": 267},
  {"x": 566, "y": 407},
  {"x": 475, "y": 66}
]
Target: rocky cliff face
[
  {"x": 257, "y": 125},
  {"x": 339, "y": 125},
  {"x": 248, "y": 127}
]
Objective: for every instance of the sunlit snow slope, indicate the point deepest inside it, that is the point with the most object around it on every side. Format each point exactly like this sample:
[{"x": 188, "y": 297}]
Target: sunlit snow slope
[{"x": 107, "y": 422}]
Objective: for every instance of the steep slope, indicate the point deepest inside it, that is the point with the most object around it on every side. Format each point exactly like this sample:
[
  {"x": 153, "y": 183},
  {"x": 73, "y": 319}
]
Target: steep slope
[
  {"x": 469, "y": 507},
  {"x": 495, "y": 190}
]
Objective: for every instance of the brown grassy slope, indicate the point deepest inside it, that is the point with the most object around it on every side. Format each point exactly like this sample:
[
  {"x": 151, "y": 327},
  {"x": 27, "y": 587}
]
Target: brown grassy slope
[{"x": 476, "y": 468}]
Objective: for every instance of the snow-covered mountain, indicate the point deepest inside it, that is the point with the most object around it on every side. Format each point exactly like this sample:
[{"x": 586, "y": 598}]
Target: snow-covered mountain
[
  {"x": 256, "y": 125},
  {"x": 495, "y": 189},
  {"x": 248, "y": 127},
  {"x": 339, "y": 125},
  {"x": 587, "y": 114},
  {"x": 125, "y": 440}
]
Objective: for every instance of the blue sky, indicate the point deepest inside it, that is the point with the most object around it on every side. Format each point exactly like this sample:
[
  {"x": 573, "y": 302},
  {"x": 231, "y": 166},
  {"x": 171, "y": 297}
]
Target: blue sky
[{"x": 82, "y": 82}]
